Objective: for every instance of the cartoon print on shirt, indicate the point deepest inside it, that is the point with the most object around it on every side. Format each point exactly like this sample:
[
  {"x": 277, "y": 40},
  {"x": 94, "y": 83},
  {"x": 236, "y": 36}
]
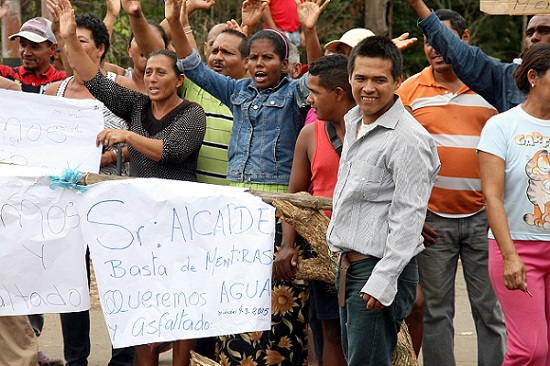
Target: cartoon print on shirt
[{"x": 538, "y": 191}]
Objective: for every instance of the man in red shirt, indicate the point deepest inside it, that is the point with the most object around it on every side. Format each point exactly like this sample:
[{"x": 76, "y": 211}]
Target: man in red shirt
[{"x": 37, "y": 45}]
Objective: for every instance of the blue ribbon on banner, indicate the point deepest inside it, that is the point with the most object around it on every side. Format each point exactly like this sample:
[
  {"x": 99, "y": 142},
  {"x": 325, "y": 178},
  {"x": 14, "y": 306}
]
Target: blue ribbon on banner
[{"x": 69, "y": 178}]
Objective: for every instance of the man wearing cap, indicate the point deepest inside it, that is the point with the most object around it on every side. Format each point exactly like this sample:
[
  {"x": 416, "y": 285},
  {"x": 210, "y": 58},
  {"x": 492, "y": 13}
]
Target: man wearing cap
[
  {"x": 37, "y": 45},
  {"x": 356, "y": 35},
  {"x": 348, "y": 41}
]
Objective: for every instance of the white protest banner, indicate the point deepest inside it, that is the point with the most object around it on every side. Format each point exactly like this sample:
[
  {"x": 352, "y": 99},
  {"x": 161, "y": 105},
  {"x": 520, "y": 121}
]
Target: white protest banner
[
  {"x": 42, "y": 256},
  {"x": 44, "y": 131},
  {"x": 179, "y": 260},
  {"x": 515, "y": 7}
]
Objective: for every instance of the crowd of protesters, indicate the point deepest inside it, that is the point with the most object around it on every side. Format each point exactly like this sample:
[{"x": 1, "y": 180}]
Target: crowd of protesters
[{"x": 423, "y": 172}]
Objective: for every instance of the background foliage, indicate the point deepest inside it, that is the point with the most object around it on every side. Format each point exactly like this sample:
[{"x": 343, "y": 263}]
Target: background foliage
[{"x": 499, "y": 36}]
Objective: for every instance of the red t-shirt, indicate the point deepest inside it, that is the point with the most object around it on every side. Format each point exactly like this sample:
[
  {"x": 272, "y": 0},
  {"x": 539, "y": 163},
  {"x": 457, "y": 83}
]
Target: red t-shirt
[
  {"x": 30, "y": 82},
  {"x": 284, "y": 14}
]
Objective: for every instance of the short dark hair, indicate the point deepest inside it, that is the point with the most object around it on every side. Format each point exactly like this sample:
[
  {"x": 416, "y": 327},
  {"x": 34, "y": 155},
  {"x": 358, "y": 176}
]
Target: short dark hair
[
  {"x": 458, "y": 23},
  {"x": 378, "y": 47},
  {"x": 279, "y": 40},
  {"x": 170, "y": 54},
  {"x": 99, "y": 31},
  {"x": 333, "y": 73},
  {"x": 159, "y": 28},
  {"x": 536, "y": 58},
  {"x": 243, "y": 47}
]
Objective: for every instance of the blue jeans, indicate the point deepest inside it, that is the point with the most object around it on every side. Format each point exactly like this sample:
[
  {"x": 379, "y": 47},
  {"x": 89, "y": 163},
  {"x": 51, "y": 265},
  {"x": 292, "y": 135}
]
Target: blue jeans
[
  {"x": 369, "y": 336},
  {"x": 437, "y": 266}
]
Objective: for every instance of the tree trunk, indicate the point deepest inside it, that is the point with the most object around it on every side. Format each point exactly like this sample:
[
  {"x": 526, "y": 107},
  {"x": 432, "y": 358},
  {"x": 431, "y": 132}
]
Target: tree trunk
[{"x": 377, "y": 16}]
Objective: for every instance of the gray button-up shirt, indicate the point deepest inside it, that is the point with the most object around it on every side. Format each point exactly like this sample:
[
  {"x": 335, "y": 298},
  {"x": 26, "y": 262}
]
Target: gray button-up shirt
[{"x": 385, "y": 179}]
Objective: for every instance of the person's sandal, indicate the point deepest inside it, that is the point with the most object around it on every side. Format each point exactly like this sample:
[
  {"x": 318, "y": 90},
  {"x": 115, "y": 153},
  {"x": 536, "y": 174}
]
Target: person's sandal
[{"x": 45, "y": 360}]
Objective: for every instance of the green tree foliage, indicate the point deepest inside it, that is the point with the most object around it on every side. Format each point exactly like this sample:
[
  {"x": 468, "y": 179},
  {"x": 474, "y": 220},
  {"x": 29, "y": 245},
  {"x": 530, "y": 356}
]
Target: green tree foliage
[{"x": 498, "y": 36}]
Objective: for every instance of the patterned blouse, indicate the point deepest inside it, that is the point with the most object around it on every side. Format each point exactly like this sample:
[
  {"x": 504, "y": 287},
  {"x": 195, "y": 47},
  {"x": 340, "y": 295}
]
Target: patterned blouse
[{"x": 181, "y": 130}]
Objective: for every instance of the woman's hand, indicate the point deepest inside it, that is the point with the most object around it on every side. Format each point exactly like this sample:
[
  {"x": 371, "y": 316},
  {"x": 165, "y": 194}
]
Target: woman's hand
[
  {"x": 309, "y": 11},
  {"x": 110, "y": 137},
  {"x": 251, "y": 15},
  {"x": 173, "y": 9},
  {"x": 132, "y": 7},
  {"x": 113, "y": 8},
  {"x": 67, "y": 22},
  {"x": 515, "y": 274}
]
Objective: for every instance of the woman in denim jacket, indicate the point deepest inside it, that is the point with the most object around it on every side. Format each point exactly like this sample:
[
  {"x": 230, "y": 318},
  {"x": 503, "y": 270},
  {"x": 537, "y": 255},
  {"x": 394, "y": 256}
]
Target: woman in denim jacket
[{"x": 266, "y": 109}]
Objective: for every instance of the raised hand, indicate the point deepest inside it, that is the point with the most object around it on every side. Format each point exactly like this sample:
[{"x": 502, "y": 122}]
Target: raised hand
[
  {"x": 173, "y": 9},
  {"x": 232, "y": 24},
  {"x": 4, "y": 9},
  {"x": 420, "y": 7},
  {"x": 67, "y": 21},
  {"x": 51, "y": 5},
  {"x": 403, "y": 41},
  {"x": 193, "y": 5},
  {"x": 132, "y": 7},
  {"x": 251, "y": 13},
  {"x": 309, "y": 11},
  {"x": 113, "y": 7}
]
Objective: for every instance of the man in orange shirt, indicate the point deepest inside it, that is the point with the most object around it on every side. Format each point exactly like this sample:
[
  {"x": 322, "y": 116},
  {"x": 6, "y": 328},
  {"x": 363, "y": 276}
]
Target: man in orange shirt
[{"x": 456, "y": 222}]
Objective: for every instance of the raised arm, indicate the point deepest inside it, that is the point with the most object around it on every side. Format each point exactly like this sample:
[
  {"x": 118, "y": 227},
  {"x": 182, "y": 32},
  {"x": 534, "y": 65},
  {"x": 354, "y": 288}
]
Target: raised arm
[
  {"x": 51, "y": 6},
  {"x": 172, "y": 11},
  {"x": 119, "y": 99},
  {"x": 251, "y": 15},
  {"x": 421, "y": 8},
  {"x": 4, "y": 9},
  {"x": 78, "y": 59},
  {"x": 267, "y": 17},
  {"x": 184, "y": 20},
  {"x": 113, "y": 9},
  {"x": 146, "y": 39},
  {"x": 478, "y": 71},
  {"x": 308, "y": 14}
]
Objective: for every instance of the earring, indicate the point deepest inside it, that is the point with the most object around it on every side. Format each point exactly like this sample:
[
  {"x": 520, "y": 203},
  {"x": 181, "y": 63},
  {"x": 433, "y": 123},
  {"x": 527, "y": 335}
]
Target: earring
[{"x": 532, "y": 85}]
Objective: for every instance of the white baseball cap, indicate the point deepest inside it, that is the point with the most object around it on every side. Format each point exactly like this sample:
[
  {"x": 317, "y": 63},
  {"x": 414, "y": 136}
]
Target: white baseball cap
[
  {"x": 36, "y": 30},
  {"x": 350, "y": 38}
]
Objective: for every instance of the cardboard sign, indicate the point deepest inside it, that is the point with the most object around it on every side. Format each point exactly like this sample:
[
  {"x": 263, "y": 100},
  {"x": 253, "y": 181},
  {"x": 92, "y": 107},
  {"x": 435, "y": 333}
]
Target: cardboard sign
[{"x": 515, "y": 7}]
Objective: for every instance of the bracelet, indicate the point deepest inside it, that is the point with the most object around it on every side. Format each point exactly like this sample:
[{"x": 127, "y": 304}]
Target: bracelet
[
  {"x": 187, "y": 28},
  {"x": 188, "y": 31}
]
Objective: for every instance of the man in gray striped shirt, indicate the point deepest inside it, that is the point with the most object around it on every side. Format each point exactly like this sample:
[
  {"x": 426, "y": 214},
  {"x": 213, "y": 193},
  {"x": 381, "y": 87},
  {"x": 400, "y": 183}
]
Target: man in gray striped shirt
[{"x": 387, "y": 169}]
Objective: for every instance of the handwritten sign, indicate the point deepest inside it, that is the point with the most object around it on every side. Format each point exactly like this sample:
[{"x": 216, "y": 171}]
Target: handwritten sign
[
  {"x": 42, "y": 256},
  {"x": 45, "y": 131},
  {"x": 179, "y": 260},
  {"x": 515, "y": 7}
]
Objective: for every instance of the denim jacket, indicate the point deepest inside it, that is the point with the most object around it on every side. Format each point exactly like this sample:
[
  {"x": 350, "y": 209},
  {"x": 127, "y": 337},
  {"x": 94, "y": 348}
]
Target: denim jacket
[
  {"x": 486, "y": 76},
  {"x": 265, "y": 123}
]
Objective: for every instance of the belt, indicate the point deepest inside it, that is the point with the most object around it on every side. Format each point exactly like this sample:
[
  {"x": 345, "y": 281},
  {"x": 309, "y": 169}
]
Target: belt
[{"x": 346, "y": 259}]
